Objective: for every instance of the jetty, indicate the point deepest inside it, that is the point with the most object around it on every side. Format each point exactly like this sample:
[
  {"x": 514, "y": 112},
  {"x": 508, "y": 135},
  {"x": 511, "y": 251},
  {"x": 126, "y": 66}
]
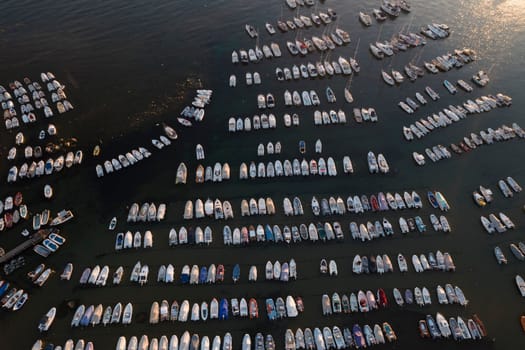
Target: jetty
[{"x": 36, "y": 238}]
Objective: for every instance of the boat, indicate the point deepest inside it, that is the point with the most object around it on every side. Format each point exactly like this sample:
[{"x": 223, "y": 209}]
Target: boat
[
  {"x": 62, "y": 217},
  {"x": 450, "y": 87},
  {"x": 365, "y": 19},
  {"x": 182, "y": 172},
  {"x": 387, "y": 78},
  {"x": 47, "y": 320},
  {"x": 372, "y": 163},
  {"x": 251, "y": 31},
  {"x": 520, "y": 283}
]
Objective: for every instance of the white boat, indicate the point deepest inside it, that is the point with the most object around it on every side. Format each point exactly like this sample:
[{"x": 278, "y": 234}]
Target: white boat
[
  {"x": 387, "y": 78},
  {"x": 382, "y": 163},
  {"x": 520, "y": 283},
  {"x": 182, "y": 173},
  {"x": 372, "y": 163},
  {"x": 365, "y": 19},
  {"x": 47, "y": 320}
]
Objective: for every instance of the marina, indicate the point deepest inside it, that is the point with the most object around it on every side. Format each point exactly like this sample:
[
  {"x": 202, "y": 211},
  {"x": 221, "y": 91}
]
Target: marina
[{"x": 219, "y": 216}]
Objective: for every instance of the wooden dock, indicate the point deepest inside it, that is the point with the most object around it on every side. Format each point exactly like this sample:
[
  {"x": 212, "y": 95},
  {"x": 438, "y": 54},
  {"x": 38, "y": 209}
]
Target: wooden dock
[{"x": 36, "y": 238}]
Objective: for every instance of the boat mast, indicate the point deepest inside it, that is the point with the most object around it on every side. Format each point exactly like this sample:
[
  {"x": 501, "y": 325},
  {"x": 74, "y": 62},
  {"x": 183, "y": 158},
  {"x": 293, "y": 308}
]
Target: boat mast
[
  {"x": 357, "y": 47},
  {"x": 379, "y": 34}
]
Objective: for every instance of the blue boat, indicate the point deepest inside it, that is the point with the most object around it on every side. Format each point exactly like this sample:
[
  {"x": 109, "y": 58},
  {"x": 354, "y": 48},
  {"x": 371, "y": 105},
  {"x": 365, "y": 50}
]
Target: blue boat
[
  {"x": 58, "y": 239},
  {"x": 420, "y": 225},
  {"x": 432, "y": 199},
  {"x": 84, "y": 321},
  {"x": 191, "y": 235},
  {"x": 359, "y": 340},
  {"x": 270, "y": 309},
  {"x": 302, "y": 146},
  {"x": 223, "y": 309},
  {"x": 268, "y": 233},
  {"x": 203, "y": 275},
  {"x": 3, "y": 287},
  {"x": 48, "y": 168},
  {"x": 321, "y": 232},
  {"x": 119, "y": 242},
  {"x": 450, "y": 87},
  {"x": 49, "y": 244},
  {"x": 442, "y": 202},
  {"x": 185, "y": 275},
  {"x": 416, "y": 199},
  {"x": 236, "y": 273},
  {"x": 49, "y": 346},
  {"x": 432, "y": 327},
  {"x": 409, "y": 297}
]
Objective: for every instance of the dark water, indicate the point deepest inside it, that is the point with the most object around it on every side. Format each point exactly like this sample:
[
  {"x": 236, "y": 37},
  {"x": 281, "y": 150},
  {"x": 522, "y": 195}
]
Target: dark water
[{"x": 126, "y": 66}]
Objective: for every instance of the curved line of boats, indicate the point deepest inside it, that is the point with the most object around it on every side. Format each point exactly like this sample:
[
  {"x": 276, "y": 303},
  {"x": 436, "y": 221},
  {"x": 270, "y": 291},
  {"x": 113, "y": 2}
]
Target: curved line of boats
[
  {"x": 398, "y": 43},
  {"x": 325, "y": 42},
  {"x": 132, "y": 157},
  {"x": 382, "y": 263},
  {"x": 29, "y": 171},
  {"x": 318, "y": 69},
  {"x": 453, "y": 114},
  {"x": 439, "y": 152}
]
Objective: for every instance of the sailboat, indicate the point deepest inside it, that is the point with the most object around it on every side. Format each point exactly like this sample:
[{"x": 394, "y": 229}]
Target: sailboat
[{"x": 348, "y": 95}]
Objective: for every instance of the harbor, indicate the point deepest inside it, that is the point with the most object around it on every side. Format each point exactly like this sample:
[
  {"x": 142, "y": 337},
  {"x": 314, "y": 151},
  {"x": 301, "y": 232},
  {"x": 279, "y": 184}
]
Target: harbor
[{"x": 243, "y": 176}]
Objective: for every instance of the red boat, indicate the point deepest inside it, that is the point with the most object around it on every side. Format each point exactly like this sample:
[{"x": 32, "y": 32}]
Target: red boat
[
  {"x": 18, "y": 199},
  {"x": 254, "y": 308},
  {"x": 381, "y": 298},
  {"x": 423, "y": 329},
  {"x": 374, "y": 203},
  {"x": 244, "y": 235},
  {"x": 220, "y": 273},
  {"x": 8, "y": 219},
  {"x": 481, "y": 326},
  {"x": 464, "y": 147},
  {"x": 299, "y": 304}
]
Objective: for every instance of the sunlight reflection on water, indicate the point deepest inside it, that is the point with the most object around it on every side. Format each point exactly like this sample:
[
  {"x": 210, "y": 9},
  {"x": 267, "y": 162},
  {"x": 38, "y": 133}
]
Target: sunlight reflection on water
[{"x": 492, "y": 26}]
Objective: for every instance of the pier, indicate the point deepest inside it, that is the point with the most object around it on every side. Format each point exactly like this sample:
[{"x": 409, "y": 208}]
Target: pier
[{"x": 36, "y": 238}]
